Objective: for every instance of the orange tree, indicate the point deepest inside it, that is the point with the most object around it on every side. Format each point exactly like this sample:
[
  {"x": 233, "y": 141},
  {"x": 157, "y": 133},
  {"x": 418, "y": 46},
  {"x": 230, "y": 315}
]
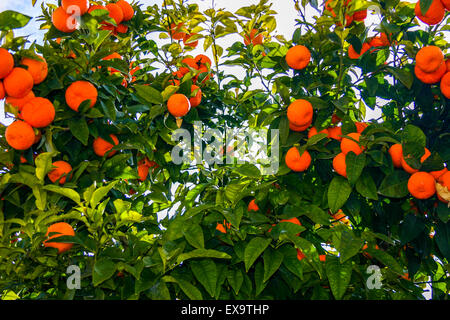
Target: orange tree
[{"x": 87, "y": 176}]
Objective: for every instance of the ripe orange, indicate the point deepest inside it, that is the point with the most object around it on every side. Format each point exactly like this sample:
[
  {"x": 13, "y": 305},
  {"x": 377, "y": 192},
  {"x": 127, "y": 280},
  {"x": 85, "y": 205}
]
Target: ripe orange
[
  {"x": 298, "y": 57},
  {"x": 80, "y": 91},
  {"x": 439, "y": 173},
  {"x": 178, "y": 105},
  {"x": 81, "y": 4},
  {"x": 221, "y": 227},
  {"x": 430, "y": 77},
  {"x": 121, "y": 28},
  {"x": 63, "y": 21},
  {"x": 348, "y": 145},
  {"x": 434, "y": 15},
  {"x": 38, "y": 112},
  {"x": 335, "y": 119},
  {"x": 190, "y": 43},
  {"x": 300, "y": 255},
  {"x": 96, "y": 7},
  {"x": 447, "y": 62},
  {"x": 252, "y": 206},
  {"x": 322, "y": 257},
  {"x": 2, "y": 91},
  {"x": 255, "y": 38},
  {"x": 445, "y": 179},
  {"x": 37, "y": 68},
  {"x": 127, "y": 10},
  {"x": 203, "y": 62},
  {"x": 445, "y": 85},
  {"x": 19, "y": 103},
  {"x": 446, "y": 4},
  {"x": 20, "y": 135},
  {"x": 339, "y": 164},
  {"x": 334, "y": 133},
  {"x": 295, "y": 162},
  {"x": 101, "y": 146},
  {"x": 421, "y": 185},
  {"x": 60, "y": 172},
  {"x": 361, "y": 126},
  {"x": 411, "y": 170},
  {"x": 175, "y": 31},
  {"x": 293, "y": 127},
  {"x": 352, "y": 54},
  {"x": 18, "y": 83},
  {"x": 313, "y": 131},
  {"x": 115, "y": 12},
  {"x": 360, "y": 15},
  {"x": 396, "y": 153},
  {"x": 6, "y": 63},
  {"x": 62, "y": 229},
  {"x": 292, "y": 220},
  {"x": 300, "y": 112},
  {"x": 429, "y": 58},
  {"x": 143, "y": 172},
  {"x": 197, "y": 99}
]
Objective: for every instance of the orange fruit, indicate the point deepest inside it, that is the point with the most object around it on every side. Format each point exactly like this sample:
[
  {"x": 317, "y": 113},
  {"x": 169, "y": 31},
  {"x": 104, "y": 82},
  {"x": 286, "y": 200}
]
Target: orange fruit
[
  {"x": 339, "y": 164},
  {"x": 114, "y": 55},
  {"x": 445, "y": 85},
  {"x": 445, "y": 180},
  {"x": 439, "y": 173},
  {"x": 396, "y": 153},
  {"x": 37, "y": 68},
  {"x": 38, "y": 112},
  {"x": 313, "y": 131},
  {"x": 143, "y": 172},
  {"x": 429, "y": 58},
  {"x": 348, "y": 145},
  {"x": 447, "y": 63},
  {"x": 63, "y": 21},
  {"x": 352, "y": 54},
  {"x": 121, "y": 28},
  {"x": 81, "y": 4},
  {"x": 96, "y": 7},
  {"x": 300, "y": 255},
  {"x": 60, "y": 172},
  {"x": 197, "y": 99},
  {"x": 430, "y": 77},
  {"x": 20, "y": 135},
  {"x": 295, "y": 162},
  {"x": 2, "y": 91},
  {"x": 434, "y": 15},
  {"x": 60, "y": 229},
  {"x": 255, "y": 38},
  {"x": 80, "y": 91},
  {"x": 292, "y": 220},
  {"x": 300, "y": 112},
  {"x": 18, "y": 83},
  {"x": 361, "y": 126},
  {"x": 186, "y": 42},
  {"x": 115, "y": 12},
  {"x": 293, "y": 127},
  {"x": 334, "y": 133},
  {"x": 360, "y": 15},
  {"x": 6, "y": 63},
  {"x": 411, "y": 170},
  {"x": 127, "y": 9},
  {"x": 298, "y": 57},
  {"x": 223, "y": 227},
  {"x": 322, "y": 257},
  {"x": 335, "y": 119},
  {"x": 178, "y": 105},
  {"x": 252, "y": 206},
  {"x": 421, "y": 185},
  {"x": 101, "y": 146},
  {"x": 19, "y": 103},
  {"x": 175, "y": 31},
  {"x": 446, "y": 4}
]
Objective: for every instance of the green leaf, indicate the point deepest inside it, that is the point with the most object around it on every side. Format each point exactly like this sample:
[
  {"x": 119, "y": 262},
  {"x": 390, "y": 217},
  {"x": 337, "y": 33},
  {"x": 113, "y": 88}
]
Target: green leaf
[
  {"x": 410, "y": 228},
  {"x": 413, "y": 134},
  {"x": 338, "y": 193},
  {"x": 13, "y": 20},
  {"x": 79, "y": 128},
  {"x": 386, "y": 259},
  {"x": 248, "y": 170},
  {"x": 254, "y": 248},
  {"x": 310, "y": 252},
  {"x": 284, "y": 129},
  {"x": 272, "y": 261},
  {"x": 403, "y": 75},
  {"x": 395, "y": 185},
  {"x": 149, "y": 94},
  {"x": 316, "y": 214},
  {"x": 43, "y": 164},
  {"x": 355, "y": 165},
  {"x": 104, "y": 269},
  {"x": 346, "y": 242},
  {"x": 100, "y": 193},
  {"x": 194, "y": 236},
  {"x": 41, "y": 197},
  {"x": 259, "y": 276},
  {"x": 205, "y": 271},
  {"x": 67, "y": 192},
  {"x": 235, "y": 279},
  {"x": 442, "y": 237},
  {"x": 191, "y": 291},
  {"x": 339, "y": 275},
  {"x": 203, "y": 253},
  {"x": 366, "y": 186}
]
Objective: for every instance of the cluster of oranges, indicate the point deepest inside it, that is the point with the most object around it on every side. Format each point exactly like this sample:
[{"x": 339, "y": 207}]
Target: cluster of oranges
[
  {"x": 374, "y": 42},
  {"x": 357, "y": 16},
  {"x": 435, "y": 13},
  {"x": 178, "y": 104},
  {"x": 64, "y": 18},
  {"x": 178, "y": 32},
  {"x": 16, "y": 85},
  {"x": 431, "y": 67},
  {"x": 421, "y": 185}
]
